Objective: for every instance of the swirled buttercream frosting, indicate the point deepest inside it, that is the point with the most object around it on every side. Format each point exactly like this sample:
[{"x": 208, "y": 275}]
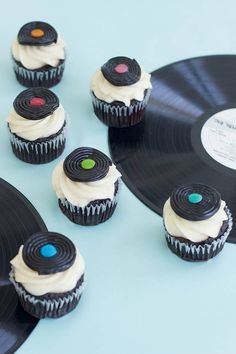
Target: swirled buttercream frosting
[
  {"x": 39, "y": 285},
  {"x": 82, "y": 193},
  {"x": 35, "y": 129},
  {"x": 106, "y": 91},
  {"x": 195, "y": 231},
  {"x": 37, "y": 56}
]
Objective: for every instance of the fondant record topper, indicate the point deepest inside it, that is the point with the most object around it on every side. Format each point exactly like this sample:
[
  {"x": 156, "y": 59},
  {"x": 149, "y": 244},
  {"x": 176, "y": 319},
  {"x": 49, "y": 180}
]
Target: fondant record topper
[
  {"x": 49, "y": 253},
  {"x": 121, "y": 71},
  {"x": 195, "y": 202},
  {"x": 86, "y": 165},
  {"x": 37, "y": 33},
  {"x": 36, "y": 103}
]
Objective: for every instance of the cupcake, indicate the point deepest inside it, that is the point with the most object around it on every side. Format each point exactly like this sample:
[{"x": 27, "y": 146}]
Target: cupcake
[
  {"x": 48, "y": 275},
  {"x": 120, "y": 92},
  {"x": 197, "y": 222},
  {"x": 87, "y": 185},
  {"x": 38, "y": 55},
  {"x": 37, "y": 126}
]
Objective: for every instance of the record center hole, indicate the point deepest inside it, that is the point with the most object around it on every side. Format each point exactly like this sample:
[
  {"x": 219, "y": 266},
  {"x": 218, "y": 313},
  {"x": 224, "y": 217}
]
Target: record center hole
[
  {"x": 194, "y": 198},
  {"x": 121, "y": 68},
  {"x": 37, "y": 33},
  {"x": 48, "y": 250},
  {"x": 37, "y": 101},
  {"x": 88, "y": 164}
]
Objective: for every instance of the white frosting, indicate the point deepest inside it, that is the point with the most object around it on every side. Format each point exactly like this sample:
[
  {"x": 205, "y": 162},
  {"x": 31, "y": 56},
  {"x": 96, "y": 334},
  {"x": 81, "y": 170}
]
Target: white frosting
[
  {"x": 34, "y": 129},
  {"x": 82, "y": 193},
  {"x": 107, "y": 92},
  {"x": 35, "y": 57},
  {"x": 38, "y": 285},
  {"x": 196, "y": 231}
]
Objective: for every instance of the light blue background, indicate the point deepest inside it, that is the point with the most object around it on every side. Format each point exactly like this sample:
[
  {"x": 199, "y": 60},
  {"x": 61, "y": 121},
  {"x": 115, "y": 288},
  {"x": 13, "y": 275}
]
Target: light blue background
[{"x": 139, "y": 298}]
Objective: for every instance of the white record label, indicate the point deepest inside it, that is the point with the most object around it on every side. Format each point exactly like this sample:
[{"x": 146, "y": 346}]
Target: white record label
[{"x": 218, "y": 136}]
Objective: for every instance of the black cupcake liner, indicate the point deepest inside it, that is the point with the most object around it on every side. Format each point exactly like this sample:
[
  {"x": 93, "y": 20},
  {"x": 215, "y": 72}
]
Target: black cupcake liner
[
  {"x": 91, "y": 215},
  {"x": 118, "y": 115},
  {"x": 39, "y": 151},
  {"x": 51, "y": 305},
  {"x": 46, "y": 76},
  {"x": 195, "y": 252}
]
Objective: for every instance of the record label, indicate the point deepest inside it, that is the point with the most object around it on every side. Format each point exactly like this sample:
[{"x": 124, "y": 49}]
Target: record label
[{"x": 218, "y": 137}]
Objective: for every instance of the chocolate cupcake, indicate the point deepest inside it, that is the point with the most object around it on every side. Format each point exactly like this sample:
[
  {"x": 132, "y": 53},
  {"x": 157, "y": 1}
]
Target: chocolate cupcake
[
  {"x": 120, "y": 92},
  {"x": 197, "y": 222},
  {"x": 48, "y": 275},
  {"x": 87, "y": 185},
  {"x": 37, "y": 126},
  {"x": 38, "y": 55}
]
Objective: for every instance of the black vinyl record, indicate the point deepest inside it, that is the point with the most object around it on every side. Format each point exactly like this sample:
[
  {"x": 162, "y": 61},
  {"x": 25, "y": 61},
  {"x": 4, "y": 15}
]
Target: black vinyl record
[
  {"x": 18, "y": 220},
  {"x": 188, "y": 134}
]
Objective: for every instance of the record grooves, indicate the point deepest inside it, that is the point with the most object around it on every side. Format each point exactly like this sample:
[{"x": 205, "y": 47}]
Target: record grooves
[
  {"x": 18, "y": 220},
  {"x": 166, "y": 149}
]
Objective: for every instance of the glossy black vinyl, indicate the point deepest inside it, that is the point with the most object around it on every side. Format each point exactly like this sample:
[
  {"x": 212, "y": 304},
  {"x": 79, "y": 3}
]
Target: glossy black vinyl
[
  {"x": 165, "y": 149},
  {"x": 18, "y": 220}
]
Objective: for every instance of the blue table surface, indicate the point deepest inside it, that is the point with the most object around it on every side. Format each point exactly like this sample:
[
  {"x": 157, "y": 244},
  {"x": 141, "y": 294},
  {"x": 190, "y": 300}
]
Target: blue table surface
[{"x": 139, "y": 297}]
